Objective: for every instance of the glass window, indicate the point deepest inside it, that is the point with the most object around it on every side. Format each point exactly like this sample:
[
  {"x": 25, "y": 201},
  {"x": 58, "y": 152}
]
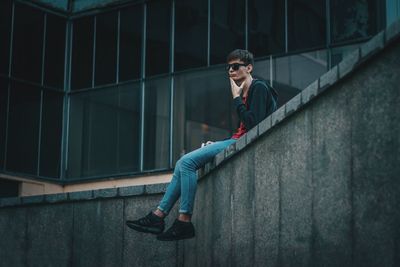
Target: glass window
[
  {"x": 203, "y": 110},
  {"x": 5, "y": 29},
  {"x": 227, "y": 28},
  {"x": 55, "y": 51},
  {"x": 131, "y": 28},
  {"x": 23, "y": 128},
  {"x": 104, "y": 132},
  {"x": 294, "y": 73},
  {"x": 306, "y": 24},
  {"x": 28, "y": 43},
  {"x": 82, "y": 53},
  {"x": 3, "y": 117},
  {"x": 157, "y": 124},
  {"x": 50, "y": 144},
  {"x": 353, "y": 19},
  {"x": 158, "y": 35},
  {"x": 262, "y": 70},
  {"x": 191, "y": 23},
  {"x": 106, "y": 48},
  {"x": 266, "y": 24}
]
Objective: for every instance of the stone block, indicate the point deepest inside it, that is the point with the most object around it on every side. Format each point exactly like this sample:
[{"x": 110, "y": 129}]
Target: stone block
[
  {"x": 309, "y": 92},
  {"x": 264, "y": 125},
  {"x": 219, "y": 158},
  {"x": 10, "y": 201},
  {"x": 230, "y": 150},
  {"x": 373, "y": 45},
  {"x": 328, "y": 79},
  {"x": 349, "y": 63},
  {"x": 33, "y": 199},
  {"x": 105, "y": 193},
  {"x": 53, "y": 198},
  {"x": 98, "y": 233},
  {"x": 293, "y": 104},
  {"x": 278, "y": 115},
  {"x": 49, "y": 234},
  {"x": 156, "y": 188},
  {"x": 392, "y": 32},
  {"x": 81, "y": 195},
  {"x": 13, "y": 242},
  {"x": 241, "y": 143},
  {"x": 252, "y": 135},
  {"x": 131, "y": 190}
]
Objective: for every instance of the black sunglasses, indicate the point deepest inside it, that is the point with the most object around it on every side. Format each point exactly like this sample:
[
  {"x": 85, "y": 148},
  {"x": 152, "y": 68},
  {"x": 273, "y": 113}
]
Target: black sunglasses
[{"x": 235, "y": 66}]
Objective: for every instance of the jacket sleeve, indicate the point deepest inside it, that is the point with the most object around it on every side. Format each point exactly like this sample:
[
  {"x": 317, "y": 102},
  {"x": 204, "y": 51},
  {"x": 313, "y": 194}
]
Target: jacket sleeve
[{"x": 257, "y": 107}]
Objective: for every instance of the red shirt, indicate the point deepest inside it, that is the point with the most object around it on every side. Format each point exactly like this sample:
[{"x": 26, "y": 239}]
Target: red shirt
[{"x": 242, "y": 129}]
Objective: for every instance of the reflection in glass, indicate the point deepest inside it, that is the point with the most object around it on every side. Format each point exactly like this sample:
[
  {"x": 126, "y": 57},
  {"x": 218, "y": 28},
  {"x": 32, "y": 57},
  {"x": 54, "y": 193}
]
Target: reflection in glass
[
  {"x": 266, "y": 27},
  {"x": 191, "y": 22},
  {"x": 27, "y": 43},
  {"x": 338, "y": 53},
  {"x": 306, "y": 24},
  {"x": 203, "y": 110},
  {"x": 82, "y": 53},
  {"x": 106, "y": 48},
  {"x": 131, "y": 29},
  {"x": 3, "y": 117},
  {"x": 353, "y": 19},
  {"x": 50, "y": 144},
  {"x": 294, "y": 73},
  {"x": 55, "y": 51},
  {"x": 262, "y": 69},
  {"x": 23, "y": 128},
  {"x": 156, "y": 124},
  {"x": 158, "y": 37},
  {"x": 5, "y": 29},
  {"x": 227, "y": 28},
  {"x": 104, "y": 132}
]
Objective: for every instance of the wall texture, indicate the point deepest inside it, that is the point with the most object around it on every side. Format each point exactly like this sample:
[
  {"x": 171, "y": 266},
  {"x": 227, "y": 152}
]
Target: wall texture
[{"x": 315, "y": 184}]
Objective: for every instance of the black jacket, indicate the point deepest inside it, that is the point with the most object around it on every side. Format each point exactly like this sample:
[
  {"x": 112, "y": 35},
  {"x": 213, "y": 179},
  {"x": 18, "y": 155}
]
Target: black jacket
[{"x": 262, "y": 100}]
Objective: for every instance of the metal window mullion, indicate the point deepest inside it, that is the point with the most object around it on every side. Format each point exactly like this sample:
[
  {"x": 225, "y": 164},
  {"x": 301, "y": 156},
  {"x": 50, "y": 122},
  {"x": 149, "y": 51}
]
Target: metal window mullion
[
  {"x": 41, "y": 95},
  {"x": 286, "y": 27},
  {"x": 172, "y": 51},
  {"x": 9, "y": 83},
  {"x": 118, "y": 44},
  {"x": 246, "y": 23},
  {"x": 66, "y": 100},
  {"x": 142, "y": 107},
  {"x": 208, "y": 31},
  {"x": 271, "y": 71},
  {"x": 94, "y": 51},
  {"x": 328, "y": 34}
]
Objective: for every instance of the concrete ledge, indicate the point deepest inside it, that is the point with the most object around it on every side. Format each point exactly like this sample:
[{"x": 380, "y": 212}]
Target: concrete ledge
[
  {"x": 293, "y": 105},
  {"x": 32, "y": 199},
  {"x": 309, "y": 93},
  {"x": 349, "y": 63},
  {"x": 155, "y": 188},
  {"x": 264, "y": 126},
  {"x": 251, "y": 135},
  {"x": 373, "y": 45},
  {"x": 131, "y": 191},
  {"x": 104, "y": 193},
  {"x": 82, "y": 195},
  {"x": 278, "y": 115},
  {"x": 328, "y": 79},
  {"x": 56, "y": 198},
  {"x": 10, "y": 201}
]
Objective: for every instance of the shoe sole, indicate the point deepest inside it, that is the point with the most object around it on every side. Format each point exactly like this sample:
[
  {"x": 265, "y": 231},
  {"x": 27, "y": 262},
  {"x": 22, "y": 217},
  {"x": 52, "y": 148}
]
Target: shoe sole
[
  {"x": 145, "y": 229},
  {"x": 175, "y": 239}
]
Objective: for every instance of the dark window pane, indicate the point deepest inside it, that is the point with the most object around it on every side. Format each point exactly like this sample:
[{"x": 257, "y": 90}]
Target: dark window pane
[
  {"x": 28, "y": 43},
  {"x": 131, "y": 28},
  {"x": 55, "y": 51},
  {"x": 104, "y": 132},
  {"x": 3, "y": 117},
  {"x": 156, "y": 124},
  {"x": 203, "y": 110},
  {"x": 106, "y": 48},
  {"x": 191, "y": 21},
  {"x": 227, "y": 28},
  {"x": 306, "y": 24},
  {"x": 353, "y": 19},
  {"x": 9, "y": 188},
  {"x": 294, "y": 73},
  {"x": 266, "y": 27},
  {"x": 23, "y": 128},
  {"x": 5, "y": 29},
  {"x": 82, "y": 53},
  {"x": 50, "y": 147},
  {"x": 158, "y": 37}
]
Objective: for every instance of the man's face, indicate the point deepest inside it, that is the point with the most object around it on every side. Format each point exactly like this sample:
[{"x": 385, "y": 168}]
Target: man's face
[{"x": 238, "y": 71}]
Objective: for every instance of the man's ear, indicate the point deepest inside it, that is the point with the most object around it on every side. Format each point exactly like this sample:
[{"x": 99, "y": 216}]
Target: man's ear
[{"x": 249, "y": 68}]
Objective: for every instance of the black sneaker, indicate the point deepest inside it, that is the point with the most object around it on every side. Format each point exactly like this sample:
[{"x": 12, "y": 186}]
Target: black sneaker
[
  {"x": 151, "y": 223},
  {"x": 178, "y": 230}
]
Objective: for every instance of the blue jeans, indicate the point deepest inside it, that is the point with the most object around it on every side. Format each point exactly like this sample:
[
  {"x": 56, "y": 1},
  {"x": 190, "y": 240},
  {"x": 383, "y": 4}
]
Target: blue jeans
[{"x": 184, "y": 179}]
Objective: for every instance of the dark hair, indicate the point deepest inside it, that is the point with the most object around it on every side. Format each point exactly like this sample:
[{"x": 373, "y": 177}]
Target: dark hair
[{"x": 242, "y": 55}]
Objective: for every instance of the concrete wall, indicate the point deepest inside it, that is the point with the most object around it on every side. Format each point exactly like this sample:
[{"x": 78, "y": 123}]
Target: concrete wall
[{"x": 315, "y": 184}]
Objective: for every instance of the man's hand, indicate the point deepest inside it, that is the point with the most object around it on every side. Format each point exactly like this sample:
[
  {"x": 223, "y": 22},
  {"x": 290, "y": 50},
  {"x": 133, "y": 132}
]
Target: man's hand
[
  {"x": 206, "y": 143},
  {"x": 236, "y": 90}
]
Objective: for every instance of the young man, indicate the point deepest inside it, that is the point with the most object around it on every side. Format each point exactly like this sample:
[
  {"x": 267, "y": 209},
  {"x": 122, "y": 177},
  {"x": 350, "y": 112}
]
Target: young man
[{"x": 254, "y": 100}]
